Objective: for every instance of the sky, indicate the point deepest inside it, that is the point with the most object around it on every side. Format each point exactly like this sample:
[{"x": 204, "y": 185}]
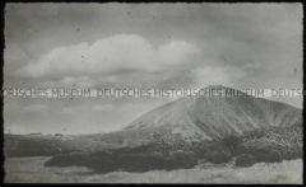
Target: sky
[{"x": 240, "y": 45}]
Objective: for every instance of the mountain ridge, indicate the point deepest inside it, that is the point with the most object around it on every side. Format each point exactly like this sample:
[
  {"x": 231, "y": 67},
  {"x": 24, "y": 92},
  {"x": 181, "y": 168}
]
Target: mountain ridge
[
  {"x": 216, "y": 117},
  {"x": 187, "y": 120}
]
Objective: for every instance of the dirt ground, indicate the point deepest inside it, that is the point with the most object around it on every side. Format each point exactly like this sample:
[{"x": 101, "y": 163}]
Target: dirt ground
[{"x": 32, "y": 170}]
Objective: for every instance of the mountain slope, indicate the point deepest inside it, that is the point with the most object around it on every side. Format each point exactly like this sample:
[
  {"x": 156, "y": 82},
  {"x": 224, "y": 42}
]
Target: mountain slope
[
  {"x": 210, "y": 118},
  {"x": 181, "y": 134},
  {"x": 207, "y": 118}
]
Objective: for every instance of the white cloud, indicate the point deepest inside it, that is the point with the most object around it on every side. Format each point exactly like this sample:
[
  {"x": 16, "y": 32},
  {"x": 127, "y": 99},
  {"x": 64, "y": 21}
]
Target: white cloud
[
  {"x": 176, "y": 52},
  {"x": 83, "y": 81},
  {"x": 216, "y": 75},
  {"x": 108, "y": 55}
]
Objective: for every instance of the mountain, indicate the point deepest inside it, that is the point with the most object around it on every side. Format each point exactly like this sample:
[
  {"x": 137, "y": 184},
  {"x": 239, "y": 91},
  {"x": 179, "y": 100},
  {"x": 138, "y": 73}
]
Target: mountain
[
  {"x": 225, "y": 128},
  {"x": 209, "y": 129},
  {"x": 207, "y": 118}
]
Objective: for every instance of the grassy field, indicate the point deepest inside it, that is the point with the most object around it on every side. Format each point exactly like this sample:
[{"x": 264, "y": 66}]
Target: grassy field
[{"x": 31, "y": 170}]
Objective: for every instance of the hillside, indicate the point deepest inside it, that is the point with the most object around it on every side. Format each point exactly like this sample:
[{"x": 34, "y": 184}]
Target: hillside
[
  {"x": 35, "y": 145},
  {"x": 48, "y": 145},
  {"x": 185, "y": 132},
  {"x": 206, "y": 118}
]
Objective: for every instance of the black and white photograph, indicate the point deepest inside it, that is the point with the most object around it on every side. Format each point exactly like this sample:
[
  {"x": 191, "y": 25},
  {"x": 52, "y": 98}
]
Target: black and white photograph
[{"x": 202, "y": 93}]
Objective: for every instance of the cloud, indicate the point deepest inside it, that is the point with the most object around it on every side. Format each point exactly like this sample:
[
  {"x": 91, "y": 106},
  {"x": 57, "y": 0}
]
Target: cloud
[
  {"x": 83, "y": 81},
  {"x": 110, "y": 55},
  {"x": 213, "y": 75},
  {"x": 176, "y": 52}
]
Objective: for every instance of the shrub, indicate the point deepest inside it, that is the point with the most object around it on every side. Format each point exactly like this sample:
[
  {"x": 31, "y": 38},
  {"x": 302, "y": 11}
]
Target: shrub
[{"x": 245, "y": 160}]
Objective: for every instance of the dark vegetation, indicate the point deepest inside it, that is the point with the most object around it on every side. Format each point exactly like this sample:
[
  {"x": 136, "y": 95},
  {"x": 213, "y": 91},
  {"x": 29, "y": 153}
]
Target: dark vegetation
[
  {"x": 269, "y": 145},
  {"x": 33, "y": 145},
  {"x": 138, "y": 159},
  {"x": 273, "y": 145}
]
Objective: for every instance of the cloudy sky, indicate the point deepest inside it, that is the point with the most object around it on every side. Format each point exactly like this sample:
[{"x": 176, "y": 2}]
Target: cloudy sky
[{"x": 237, "y": 45}]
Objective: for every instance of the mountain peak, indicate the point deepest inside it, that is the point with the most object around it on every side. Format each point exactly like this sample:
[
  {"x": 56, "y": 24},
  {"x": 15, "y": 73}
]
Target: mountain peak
[
  {"x": 215, "y": 116},
  {"x": 222, "y": 91}
]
